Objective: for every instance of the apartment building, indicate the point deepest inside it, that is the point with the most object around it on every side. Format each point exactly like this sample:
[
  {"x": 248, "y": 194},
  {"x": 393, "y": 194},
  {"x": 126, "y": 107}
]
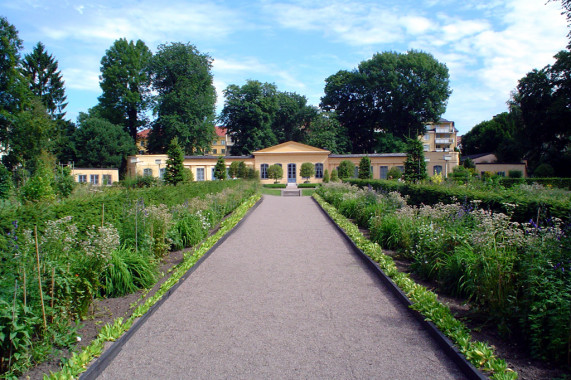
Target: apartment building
[{"x": 440, "y": 137}]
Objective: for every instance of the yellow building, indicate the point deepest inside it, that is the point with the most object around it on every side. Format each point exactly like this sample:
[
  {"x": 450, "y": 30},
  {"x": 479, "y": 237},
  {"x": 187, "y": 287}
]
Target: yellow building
[
  {"x": 291, "y": 155},
  {"x": 95, "y": 176},
  {"x": 220, "y": 145},
  {"x": 440, "y": 137}
]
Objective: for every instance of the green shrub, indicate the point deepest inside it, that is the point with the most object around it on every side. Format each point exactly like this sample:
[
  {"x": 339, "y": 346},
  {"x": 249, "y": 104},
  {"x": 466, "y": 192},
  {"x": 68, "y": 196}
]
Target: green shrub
[
  {"x": 515, "y": 174},
  {"x": 544, "y": 171},
  {"x": 275, "y": 185},
  {"x": 5, "y": 182},
  {"x": 326, "y": 176},
  {"x": 394, "y": 173},
  {"x": 365, "y": 168},
  {"x": 334, "y": 176},
  {"x": 127, "y": 272},
  {"x": 307, "y": 185},
  {"x": 346, "y": 169}
]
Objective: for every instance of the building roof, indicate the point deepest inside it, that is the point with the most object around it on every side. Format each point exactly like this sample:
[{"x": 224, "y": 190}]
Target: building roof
[
  {"x": 220, "y": 131},
  {"x": 368, "y": 155},
  {"x": 143, "y": 134},
  {"x": 217, "y": 157},
  {"x": 292, "y": 147}
]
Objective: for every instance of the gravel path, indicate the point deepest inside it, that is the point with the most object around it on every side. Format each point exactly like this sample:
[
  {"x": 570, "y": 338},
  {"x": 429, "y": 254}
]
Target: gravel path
[{"x": 283, "y": 297}]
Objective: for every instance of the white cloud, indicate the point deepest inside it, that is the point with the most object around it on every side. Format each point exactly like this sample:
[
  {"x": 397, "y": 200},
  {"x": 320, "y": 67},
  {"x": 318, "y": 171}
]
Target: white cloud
[{"x": 81, "y": 79}]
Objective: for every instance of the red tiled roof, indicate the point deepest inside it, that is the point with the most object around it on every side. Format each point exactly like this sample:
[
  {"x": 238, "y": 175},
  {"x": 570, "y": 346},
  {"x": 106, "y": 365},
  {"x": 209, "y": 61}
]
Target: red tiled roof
[
  {"x": 220, "y": 131},
  {"x": 143, "y": 134}
]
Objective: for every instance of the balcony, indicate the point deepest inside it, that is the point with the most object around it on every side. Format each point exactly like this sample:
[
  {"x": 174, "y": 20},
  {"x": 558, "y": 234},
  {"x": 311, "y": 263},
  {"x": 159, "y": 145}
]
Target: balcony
[
  {"x": 443, "y": 141},
  {"x": 444, "y": 130}
]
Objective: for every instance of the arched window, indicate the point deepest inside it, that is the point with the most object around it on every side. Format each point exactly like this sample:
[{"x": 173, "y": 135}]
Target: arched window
[
  {"x": 437, "y": 169},
  {"x": 264, "y": 171},
  {"x": 319, "y": 170}
]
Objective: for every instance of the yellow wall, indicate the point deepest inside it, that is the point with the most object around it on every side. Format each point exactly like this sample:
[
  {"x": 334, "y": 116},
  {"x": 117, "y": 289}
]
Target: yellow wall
[
  {"x": 285, "y": 159},
  {"x": 505, "y": 168},
  {"x": 88, "y": 172}
]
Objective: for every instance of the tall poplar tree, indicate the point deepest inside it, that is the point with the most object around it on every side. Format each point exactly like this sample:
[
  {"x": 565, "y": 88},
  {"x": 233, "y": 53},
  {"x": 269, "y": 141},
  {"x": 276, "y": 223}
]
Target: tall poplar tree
[
  {"x": 45, "y": 80},
  {"x": 125, "y": 83}
]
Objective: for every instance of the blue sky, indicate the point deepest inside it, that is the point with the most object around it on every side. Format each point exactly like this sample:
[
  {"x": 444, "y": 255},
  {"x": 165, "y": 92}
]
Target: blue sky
[{"x": 296, "y": 44}]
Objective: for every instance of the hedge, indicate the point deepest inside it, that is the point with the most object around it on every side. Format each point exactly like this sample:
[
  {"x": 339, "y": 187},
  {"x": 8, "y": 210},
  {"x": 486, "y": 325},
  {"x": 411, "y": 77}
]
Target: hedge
[
  {"x": 561, "y": 183},
  {"x": 526, "y": 206}
]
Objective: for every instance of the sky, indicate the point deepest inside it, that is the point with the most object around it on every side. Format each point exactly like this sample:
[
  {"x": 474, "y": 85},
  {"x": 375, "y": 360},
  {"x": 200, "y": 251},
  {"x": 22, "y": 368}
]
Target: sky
[{"x": 486, "y": 45}]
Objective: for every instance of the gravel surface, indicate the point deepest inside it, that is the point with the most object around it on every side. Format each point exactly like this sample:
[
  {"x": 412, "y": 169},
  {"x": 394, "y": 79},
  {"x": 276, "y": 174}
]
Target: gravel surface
[{"x": 283, "y": 297}]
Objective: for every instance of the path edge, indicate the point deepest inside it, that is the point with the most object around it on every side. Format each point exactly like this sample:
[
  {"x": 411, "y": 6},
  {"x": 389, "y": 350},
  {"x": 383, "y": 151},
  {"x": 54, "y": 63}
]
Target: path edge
[
  {"x": 442, "y": 340},
  {"x": 101, "y": 363}
]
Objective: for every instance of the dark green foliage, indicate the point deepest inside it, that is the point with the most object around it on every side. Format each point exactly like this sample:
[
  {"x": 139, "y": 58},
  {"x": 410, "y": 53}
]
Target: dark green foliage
[
  {"x": 174, "y": 172},
  {"x": 101, "y": 144},
  {"x": 125, "y": 84},
  {"x": 460, "y": 174},
  {"x": 326, "y": 176},
  {"x": 346, "y": 169},
  {"x": 127, "y": 272},
  {"x": 326, "y": 132},
  {"x": 307, "y": 185},
  {"x": 242, "y": 170},
  {"x": 40, "y": 187},
  {"x": 234, "y": 169},
  {"x": 291, "y": 116},
  {"x": 388, "y": 143},
  {"x": 181, "y": 76},
  {"x": 469, "y": 164},
  {"x": 275, "y": 172},
  {"x": 307, "y": 170},
  {"x": 414, "y": 165},
  {"x": 45, "y": 80},
  {"x": 365, "y": 168},
  {"x": 5, "y": 182},
  {"x": 220, "y": 169},
  {"x": 561, "y": 183},
  {"x": 544, "y": 171},
  {"x": 334, "y": 176},
  {"x": 394, "y": 173},
  {"x": 275, "y": 185},
  {"x": 515, "y": 174},
  {"x": 64, "y": 182},
  {"x": 391, "y": 92}
]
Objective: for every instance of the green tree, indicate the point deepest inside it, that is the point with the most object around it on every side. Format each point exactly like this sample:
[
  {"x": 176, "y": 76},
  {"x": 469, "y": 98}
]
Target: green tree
[
  {"x": 386, "y": 142},
  {"x": 101, "y": 144},
  {"x": 242, "y": 170},
  {"x": 499, "y": 136},
  {"x": 291, "y": 116},
  {"x": 346, "y": 169},
  {"x": 307, "y": 170},
  {"x": 394, "y": 173},
  {"x": 186, "y": 98},
  {"x": 334, "y": 176},
  {"x": 325, "y": 132},
  {"x": 40, "y": 187},
  {"x": 414, "y": 165},
  {"x": 174, "y": 172},
  {"x": 389, "y": 93},
  {"x": 125, "y": 84},
  {"x": 5, "y": 182},
  {"x": 248, "y": 116},
  {"x": 64, "y": 182},
  {"x": 326, "y": 176},
  {"x": 45, "y": 80},
  {"x": 220, "y": 169},
  {"x": 275, "y": 172},
  {"x": 365, "y": 168},
  {"x": 234, "y": 169}
]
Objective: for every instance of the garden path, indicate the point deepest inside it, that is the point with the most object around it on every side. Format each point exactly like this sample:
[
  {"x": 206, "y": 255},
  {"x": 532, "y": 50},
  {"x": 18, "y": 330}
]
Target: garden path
[{"x": 283, "y": 297}]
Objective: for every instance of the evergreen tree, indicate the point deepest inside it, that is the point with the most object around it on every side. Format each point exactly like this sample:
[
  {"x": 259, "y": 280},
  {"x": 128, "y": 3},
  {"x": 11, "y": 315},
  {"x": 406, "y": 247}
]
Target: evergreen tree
[
  {"x": 45, "y": 80},
  {"x": 220, "y": 169},
  {"x": 174, "y": 172},
  {"x": 414, "y": 166},
  {"x": 334, "y": 177},
  {"x": 346, "y": 169},
  {"x": 365, "y": 168},
  {"x": 326, "y": 176}
]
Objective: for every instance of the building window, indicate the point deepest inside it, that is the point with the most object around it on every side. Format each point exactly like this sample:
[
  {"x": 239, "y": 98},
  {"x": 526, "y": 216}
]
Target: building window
[
  {"x": 401, "y": 168},
  {"x": 82, "y": 178},
  {"x": 264, "y": 171},
  {"x": 319, "y": 170},
  {"x": 223, "y": 151},
  {"x": 384, "y": 172},
  {"x": 426, "y": 137},
  {"x": 94, "y": 179},
  {"x": 223, "y": 142},
  {"x": 200, "y": 174},
  {"x": 501, "y": 174},
  {"x": 437, "y": 169},
  {"x": 162, "y": 173},
  {"x": 214, "y": 142},
  {"x": 356, "y": 173},
  {"x": 106, "y": 178},
  {"x": 148, "y": 172},
  {"x": 214, "y": 151},
  {"x": 426, "y": 147}
]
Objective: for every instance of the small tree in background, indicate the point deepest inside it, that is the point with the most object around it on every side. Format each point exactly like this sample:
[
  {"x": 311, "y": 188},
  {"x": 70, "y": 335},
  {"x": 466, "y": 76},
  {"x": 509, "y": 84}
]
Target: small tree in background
[
  {"x": 394, "y": 173},
  {"x": 334, "y": 176},
  {"x": 365, "y": 168},
  {"x": 174, "y": 172},
  {"x": 469, "y": 164},
  {"x": 326, "y": 176},
  {"x": 275, "y": 172},
  {"x": 414, "y": 166},
  {"x": 220, "y": 169},
  {"x": 242, "y": 170},
  {"x": 346, "y": 169},
  {"x": 64, "y": 182},
  {"x": 234, "y": 169},
  {"x": 307, "y": 170}
]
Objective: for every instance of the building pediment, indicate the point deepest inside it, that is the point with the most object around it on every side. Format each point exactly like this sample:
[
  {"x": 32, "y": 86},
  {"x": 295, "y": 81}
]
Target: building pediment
[{"x": 291, "y": 147}]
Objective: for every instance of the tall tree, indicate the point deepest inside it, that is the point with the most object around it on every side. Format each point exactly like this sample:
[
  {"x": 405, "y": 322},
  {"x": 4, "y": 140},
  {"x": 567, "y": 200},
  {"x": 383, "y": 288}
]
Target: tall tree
[
  {"x": 181, "y": 76},
  {"x": 291, "y": 116},
  {"x": 326, "y": 132},
  {"x": 101, "y": 144},
  {"x": 248, "y": 116},
  {"x": 125, "y": 84},
  {"x": 391, "y": 92},
  {"x": 45, "y": 80},
  {"x": 414, "y": 165}
]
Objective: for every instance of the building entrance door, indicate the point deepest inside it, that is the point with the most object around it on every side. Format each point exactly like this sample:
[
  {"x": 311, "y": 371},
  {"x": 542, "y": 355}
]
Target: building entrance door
[{"x": 291, "y": 173}]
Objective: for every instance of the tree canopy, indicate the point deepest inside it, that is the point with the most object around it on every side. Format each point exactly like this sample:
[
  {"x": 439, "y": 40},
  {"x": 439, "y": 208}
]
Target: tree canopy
[
  {"x": 391, "y": 92},
  {"x": 181, "y": 77},
  {"x": 125, "y": 84},
  {"x": 325, "y": 132},
  {"x": 45, "y": 80}
]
